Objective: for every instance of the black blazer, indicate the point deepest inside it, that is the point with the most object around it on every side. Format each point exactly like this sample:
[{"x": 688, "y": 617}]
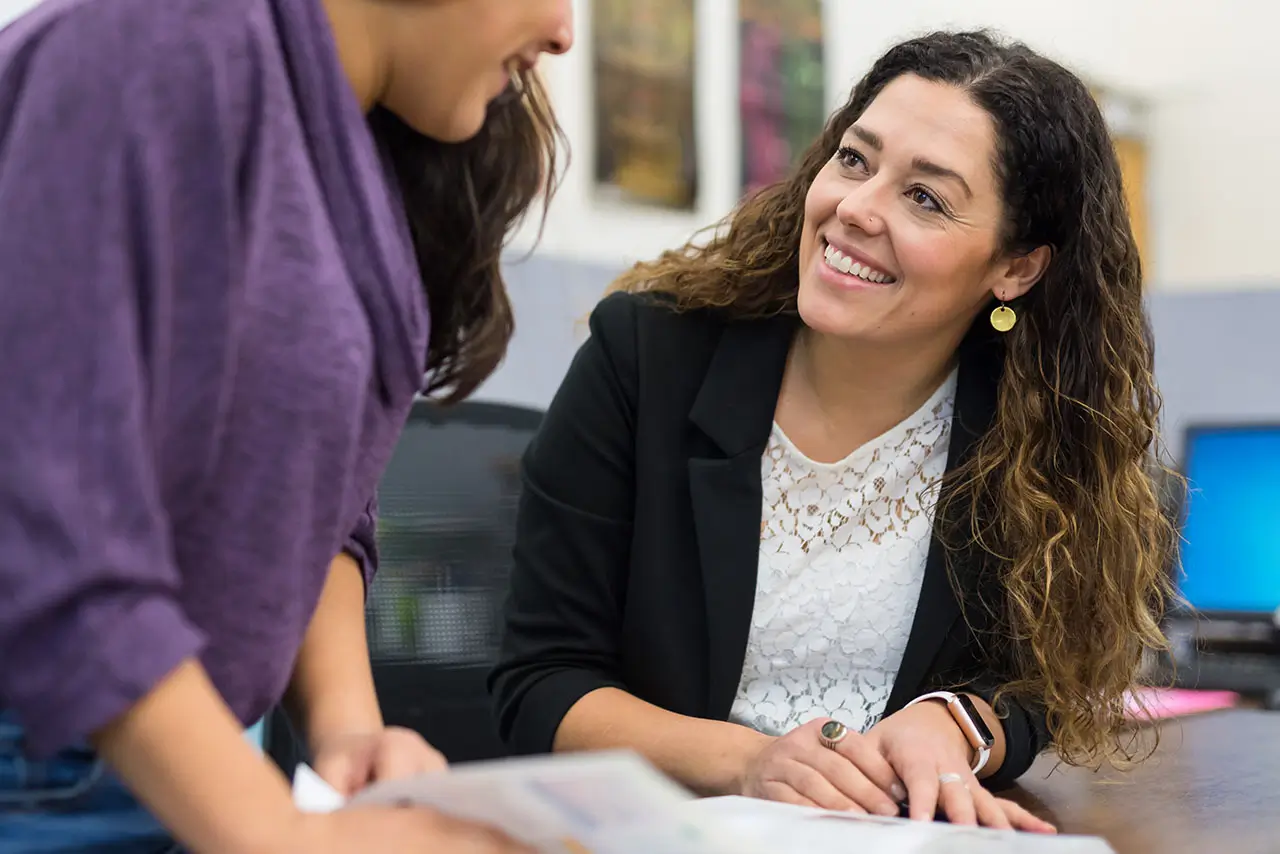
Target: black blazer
[{"x": 639, "y": 531}]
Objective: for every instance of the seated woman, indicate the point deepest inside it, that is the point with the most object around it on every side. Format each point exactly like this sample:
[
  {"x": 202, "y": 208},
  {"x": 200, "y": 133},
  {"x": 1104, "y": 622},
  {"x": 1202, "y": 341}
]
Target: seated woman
[{"x": 850, "y": 505}]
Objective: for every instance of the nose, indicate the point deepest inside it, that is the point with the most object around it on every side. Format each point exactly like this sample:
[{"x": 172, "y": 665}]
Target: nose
[
  {"x": 561, "y": 38},
  {"x": 860, "y": 208}
]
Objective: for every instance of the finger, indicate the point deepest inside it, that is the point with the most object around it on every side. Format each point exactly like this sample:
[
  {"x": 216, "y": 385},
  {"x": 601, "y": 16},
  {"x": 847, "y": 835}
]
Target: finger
[
  {"x": 989, "y": 810},
  {"x": 865, "y": 754},
  {"x": 339, "y": 769},
  {"x": 920, "y": 776},
  {"x": 956, "y": 798},
  {"x": 784, "y": 794},
  {"x": 398, "y": 758},
  {"x": 1022, "y": 819},
  {"x": 852, "y": 781},
  {"x": 812, "y": 784}
]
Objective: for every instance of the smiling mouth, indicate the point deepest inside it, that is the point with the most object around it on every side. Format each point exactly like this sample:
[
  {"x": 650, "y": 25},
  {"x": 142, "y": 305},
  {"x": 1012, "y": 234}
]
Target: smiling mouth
[{"x": 841, "y": 263}]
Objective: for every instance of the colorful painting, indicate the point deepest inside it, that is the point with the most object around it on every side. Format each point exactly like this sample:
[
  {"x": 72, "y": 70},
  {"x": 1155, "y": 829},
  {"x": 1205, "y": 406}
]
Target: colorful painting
[
  {"x": 781, "y": 89},
  {"x": 645, "y": 148}
]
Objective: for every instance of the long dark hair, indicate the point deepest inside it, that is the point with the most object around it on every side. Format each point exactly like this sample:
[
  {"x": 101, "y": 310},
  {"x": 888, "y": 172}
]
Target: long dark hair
[
  {"x": 463, "y": 202},
  {"x": 1057, "y": 495}
]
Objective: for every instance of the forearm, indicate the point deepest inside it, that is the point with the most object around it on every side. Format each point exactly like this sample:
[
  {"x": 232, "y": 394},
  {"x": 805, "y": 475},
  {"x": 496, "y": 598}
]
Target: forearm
[
  {"x": 184, "y": 755},
  {"x": 708, "y": 757},
  {"x": 332, "y": 691}
]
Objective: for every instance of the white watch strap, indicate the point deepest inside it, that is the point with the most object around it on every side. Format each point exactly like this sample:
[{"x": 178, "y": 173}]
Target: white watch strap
[
  {"x": 934, "y": 695},
  {"x": 983, "y": 753}
]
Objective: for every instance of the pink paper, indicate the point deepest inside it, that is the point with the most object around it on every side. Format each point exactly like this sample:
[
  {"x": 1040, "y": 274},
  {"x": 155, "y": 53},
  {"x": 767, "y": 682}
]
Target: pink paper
[{"x": 1164, "y": 703}]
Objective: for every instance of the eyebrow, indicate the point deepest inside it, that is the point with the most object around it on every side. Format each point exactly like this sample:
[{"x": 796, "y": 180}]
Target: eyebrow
[{"x": 920, "y": 164}]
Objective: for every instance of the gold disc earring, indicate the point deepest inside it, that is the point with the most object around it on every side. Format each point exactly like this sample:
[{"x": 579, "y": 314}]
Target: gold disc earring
[{"x": 1003, "y": 318}]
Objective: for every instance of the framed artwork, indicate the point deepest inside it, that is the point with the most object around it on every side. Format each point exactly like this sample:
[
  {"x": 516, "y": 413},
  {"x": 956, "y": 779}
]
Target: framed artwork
[
  {"x": 643, "y": 56},
  {"x": 781, "y": 86},
  {"x": 1126, "y": 120}
]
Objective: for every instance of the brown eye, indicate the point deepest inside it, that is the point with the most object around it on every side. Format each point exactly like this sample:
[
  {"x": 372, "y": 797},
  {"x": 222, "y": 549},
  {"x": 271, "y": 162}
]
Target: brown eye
[
  {"x": 850, "y": 158},
  {"x": 924, "y": 199}
]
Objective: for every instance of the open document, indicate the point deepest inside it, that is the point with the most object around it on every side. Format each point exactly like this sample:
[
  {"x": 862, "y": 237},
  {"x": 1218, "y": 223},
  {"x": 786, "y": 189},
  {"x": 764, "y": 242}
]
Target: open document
[
  {"x": 598, "y": 803},
  {"x": 616, "y": 803},
  {"x": 786, "y": 829}
]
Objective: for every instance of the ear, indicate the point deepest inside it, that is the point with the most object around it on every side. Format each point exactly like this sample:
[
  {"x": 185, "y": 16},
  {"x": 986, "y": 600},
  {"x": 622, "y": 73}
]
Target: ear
[{"x": 1017, "y": 274}]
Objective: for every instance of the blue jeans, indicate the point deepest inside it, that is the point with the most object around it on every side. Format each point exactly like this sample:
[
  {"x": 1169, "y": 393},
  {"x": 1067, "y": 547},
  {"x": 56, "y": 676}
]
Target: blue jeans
[{"x": 69, "y": 802}]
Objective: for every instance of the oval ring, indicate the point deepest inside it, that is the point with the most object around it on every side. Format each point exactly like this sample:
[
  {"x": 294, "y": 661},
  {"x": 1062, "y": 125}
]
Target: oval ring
[{"x": 832, "y": 733}]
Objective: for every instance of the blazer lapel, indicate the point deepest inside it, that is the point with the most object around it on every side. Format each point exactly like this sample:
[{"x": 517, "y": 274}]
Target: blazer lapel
[
  {"x": 975, "y": 406},
  {"x": 734, "y": 408}
]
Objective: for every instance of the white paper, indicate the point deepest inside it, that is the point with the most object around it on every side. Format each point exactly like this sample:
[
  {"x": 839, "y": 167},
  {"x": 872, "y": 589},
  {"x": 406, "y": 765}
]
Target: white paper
[
  {"x": 598, "y": 803},
  {"x": 311, "y": 793},
  {"x": 616, "y": 803},
  {"x": 786, "y": 829}
]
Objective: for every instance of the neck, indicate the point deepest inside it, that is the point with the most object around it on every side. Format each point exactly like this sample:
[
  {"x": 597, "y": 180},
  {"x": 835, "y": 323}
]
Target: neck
[
  {"x": 359, "y": 50},
  {"x": 860, "y": 390}
]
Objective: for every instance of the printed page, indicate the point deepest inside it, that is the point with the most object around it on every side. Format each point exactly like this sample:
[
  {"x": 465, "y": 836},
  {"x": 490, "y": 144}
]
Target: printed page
[
  {"x": 599, "y": 803},
  {"x": 785, "y": 829},
  {"x": 616, "y": 803}
]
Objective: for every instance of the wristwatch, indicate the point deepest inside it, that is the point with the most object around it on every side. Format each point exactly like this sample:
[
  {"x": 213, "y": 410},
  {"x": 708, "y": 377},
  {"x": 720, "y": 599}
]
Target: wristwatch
[{"x": 970, "y": 721}]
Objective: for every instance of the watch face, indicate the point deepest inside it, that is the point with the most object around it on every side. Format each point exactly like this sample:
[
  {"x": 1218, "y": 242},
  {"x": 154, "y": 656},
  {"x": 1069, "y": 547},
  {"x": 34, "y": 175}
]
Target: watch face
[{"x": 975, "y": 719}]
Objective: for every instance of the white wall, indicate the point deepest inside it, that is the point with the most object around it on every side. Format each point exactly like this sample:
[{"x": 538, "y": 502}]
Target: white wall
[{"x": 1209, "y": 72}]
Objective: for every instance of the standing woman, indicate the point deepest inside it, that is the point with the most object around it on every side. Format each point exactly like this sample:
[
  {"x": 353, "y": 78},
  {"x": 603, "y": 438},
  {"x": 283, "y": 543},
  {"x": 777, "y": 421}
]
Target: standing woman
[{"x": 238, "y": 238}]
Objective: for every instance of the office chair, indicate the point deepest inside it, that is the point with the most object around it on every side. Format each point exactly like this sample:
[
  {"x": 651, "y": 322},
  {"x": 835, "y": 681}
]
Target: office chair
[{"x": 446, "y": 525}]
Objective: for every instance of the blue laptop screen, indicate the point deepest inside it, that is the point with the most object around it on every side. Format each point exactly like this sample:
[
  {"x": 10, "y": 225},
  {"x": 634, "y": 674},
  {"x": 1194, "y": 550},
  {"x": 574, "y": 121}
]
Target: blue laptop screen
[{"x": 1231, "y": 549}]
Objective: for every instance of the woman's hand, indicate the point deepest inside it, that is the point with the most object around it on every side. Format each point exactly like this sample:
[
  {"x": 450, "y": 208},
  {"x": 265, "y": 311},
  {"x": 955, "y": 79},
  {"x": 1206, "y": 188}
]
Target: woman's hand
[
  {"x": 797, "y": 769},
  {"x": 928, "y": 752},
  {"x": 351, "y": 761},
  {"x": 396, "y": 829}
]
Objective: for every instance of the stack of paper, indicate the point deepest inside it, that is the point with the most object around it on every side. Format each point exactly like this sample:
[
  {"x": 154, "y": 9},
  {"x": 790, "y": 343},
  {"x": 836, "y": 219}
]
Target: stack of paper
[{"x": 616, "y": 803}]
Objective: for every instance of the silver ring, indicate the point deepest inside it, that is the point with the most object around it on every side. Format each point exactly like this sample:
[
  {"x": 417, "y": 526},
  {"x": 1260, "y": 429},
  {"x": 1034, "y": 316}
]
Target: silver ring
[
  {"x": 950, "y": 777},
  {"x": 832, "y": 733}
]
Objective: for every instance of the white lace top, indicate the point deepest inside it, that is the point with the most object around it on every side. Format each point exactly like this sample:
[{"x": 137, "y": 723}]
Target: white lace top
[{"x": 842, "y": 555}]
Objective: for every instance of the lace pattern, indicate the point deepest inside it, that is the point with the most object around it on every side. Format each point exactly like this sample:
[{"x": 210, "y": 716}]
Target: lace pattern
[{"x": 842, "y": 557}]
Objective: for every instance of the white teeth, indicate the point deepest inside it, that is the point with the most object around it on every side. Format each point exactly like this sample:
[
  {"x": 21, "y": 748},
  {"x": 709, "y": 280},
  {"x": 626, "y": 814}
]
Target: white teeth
[{"x": 837, "y": 260}]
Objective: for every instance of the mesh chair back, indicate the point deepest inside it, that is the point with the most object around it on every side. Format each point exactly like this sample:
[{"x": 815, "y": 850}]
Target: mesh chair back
[{"x": 446, "y": 526}]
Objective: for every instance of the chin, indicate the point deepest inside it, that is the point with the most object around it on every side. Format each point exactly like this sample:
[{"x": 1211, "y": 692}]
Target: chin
[
  {"x": 464, "y": 126},
  {"x": 820, "y": 311},
  {"x": 830, "y": 313},
  {"x": 459, "y": 126}
]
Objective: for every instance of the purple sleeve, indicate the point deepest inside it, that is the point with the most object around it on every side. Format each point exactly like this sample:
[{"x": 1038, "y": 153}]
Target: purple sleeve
[
  {"x": 362, "y": 543},
  {"x": 112, "y": 176}
]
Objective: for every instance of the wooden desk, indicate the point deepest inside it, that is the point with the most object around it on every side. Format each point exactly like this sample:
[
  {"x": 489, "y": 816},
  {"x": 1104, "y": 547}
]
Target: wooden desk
[{"x": 1211, "y": 787}]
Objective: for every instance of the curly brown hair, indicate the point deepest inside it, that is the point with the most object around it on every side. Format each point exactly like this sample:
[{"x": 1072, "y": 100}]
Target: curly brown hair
[
  {"x": 1058, "y": 494},
  {"x": 463, "y": 201}
]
